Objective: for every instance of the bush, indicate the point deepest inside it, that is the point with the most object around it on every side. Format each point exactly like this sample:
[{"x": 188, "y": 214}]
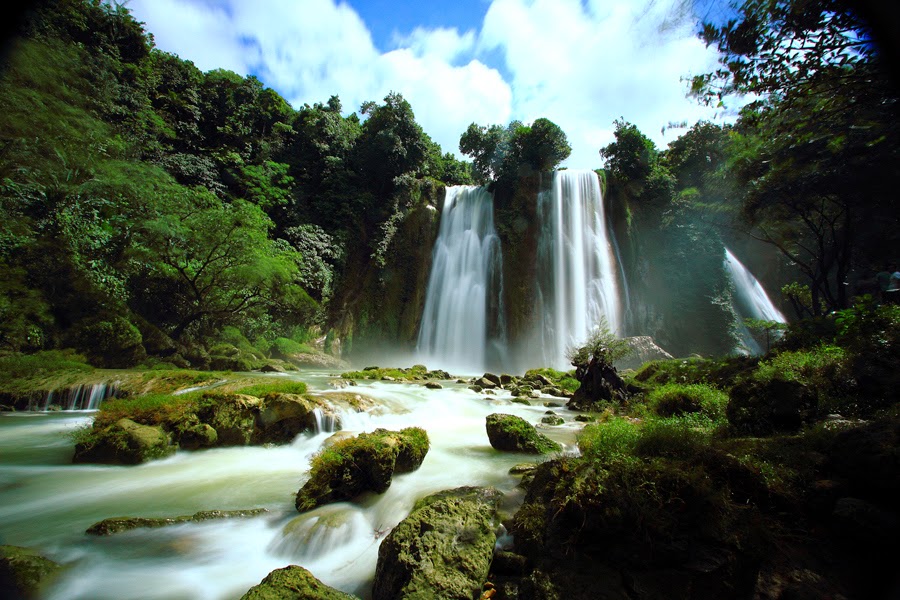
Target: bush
[
  {"x": 680, "y": 437},
  {"x": 112, "y": 343},
  {"x": 603, "y": 441},
  {"x": 286, "y": 347},
  {"x": 675, "y": 399}
]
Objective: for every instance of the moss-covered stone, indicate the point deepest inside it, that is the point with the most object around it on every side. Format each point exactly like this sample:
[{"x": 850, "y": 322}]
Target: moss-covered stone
[
  {"x": 510, "y": 433},
  {"x": 233, "y": 416},
  {"x": 124, "y": 442},
  {"x": 293, "y": 583},
  {"x": 365, "y": 463},
  {"x": 24, "y": 573},
  {"x": 443, "y": 549},
  {"x": 283, "y": 416},
  {"x": 119, "y": 524}
]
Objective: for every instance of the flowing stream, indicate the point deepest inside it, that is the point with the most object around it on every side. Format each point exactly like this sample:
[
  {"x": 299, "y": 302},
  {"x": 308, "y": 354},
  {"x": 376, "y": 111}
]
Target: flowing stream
[{"x": 47, "y": 503}]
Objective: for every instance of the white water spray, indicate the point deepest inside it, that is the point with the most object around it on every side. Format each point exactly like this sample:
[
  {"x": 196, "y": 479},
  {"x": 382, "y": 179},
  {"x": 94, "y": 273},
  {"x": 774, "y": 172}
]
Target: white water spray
[{"x": 460, "y": 330}]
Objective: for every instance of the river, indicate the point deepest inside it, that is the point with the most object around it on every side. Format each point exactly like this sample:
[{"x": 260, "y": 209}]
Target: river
[{"x": 47, "y": 503}]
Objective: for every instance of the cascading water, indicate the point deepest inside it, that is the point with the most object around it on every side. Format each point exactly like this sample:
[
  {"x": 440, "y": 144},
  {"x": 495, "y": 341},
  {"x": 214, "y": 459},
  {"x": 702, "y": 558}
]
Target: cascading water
[
  {"x": 79, "y": 397},
  {"x": 750, "y": 301},
  {"x": 462, "y": 327},
  {"x": 576, "y": 269}
]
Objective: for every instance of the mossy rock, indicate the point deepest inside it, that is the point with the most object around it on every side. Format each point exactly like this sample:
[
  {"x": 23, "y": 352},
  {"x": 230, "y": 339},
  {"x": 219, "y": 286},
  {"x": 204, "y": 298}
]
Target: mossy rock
[
  {"x": 510, "y": 433},
  {"x": 443, "y": 549},
  {"x": 24, "y": 573},
  {"x": 115, "y": 525},
  {"x": 283, "y": 416},
  {"x": 233, "y": 416},
  {"x": 293, "y": 583},
  {"x": 365, "y": 463},
  {"x": 124, "y": 442}
]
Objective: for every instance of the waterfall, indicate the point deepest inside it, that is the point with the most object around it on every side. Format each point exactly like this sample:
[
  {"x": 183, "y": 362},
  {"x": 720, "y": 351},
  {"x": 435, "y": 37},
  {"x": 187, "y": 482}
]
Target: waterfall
[
  {"x": 750, "y": 301},
  {"x": 577, "y": 285},
  {"x": 462, "y": 327},
  {"x": 79, "y": 397}
]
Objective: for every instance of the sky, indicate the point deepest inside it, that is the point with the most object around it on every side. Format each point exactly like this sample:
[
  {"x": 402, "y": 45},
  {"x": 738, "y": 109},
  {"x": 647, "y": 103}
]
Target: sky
[{"x": 580, "y": 63}]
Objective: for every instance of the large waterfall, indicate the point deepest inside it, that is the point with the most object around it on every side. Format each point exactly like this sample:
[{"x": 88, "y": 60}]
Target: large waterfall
[
  {"x": 750, "y": 300},
  {"x": 576, "y": 268},
  {"x": 462, "y": 327}
]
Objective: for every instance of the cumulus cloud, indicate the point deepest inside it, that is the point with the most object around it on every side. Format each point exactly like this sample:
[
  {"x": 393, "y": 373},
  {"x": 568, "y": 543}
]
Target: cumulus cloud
[
  {"x": 584, "y": 65},
  {"x": 580, "y": 63}
]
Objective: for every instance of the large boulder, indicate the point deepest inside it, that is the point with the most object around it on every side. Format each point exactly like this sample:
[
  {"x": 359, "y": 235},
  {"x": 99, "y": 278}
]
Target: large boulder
[
  {"x": 124, "y": 442},
  {"x": 283, "y": 416},
  {"x": 443, "y": 549},
  {"x": 293, "y": 583},
  {"x": 233, "y": 416},
  {"x": 24, "y": 573},
  {"x": 643, "y": 350},
  {"x": 365, "y": 463},
  {"x": 510, "y": 433}
]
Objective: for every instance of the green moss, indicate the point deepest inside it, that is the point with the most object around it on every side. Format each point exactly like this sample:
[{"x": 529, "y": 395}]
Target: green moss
[
  {"x": 510, "y": 433},
  {"x": 261, "y": 390},
  {"x": 414, "y": 373},
  {"x": 602, "y": 441},
  {"x": 148, "y": 409},
  {"x": 46, "y": 370}
]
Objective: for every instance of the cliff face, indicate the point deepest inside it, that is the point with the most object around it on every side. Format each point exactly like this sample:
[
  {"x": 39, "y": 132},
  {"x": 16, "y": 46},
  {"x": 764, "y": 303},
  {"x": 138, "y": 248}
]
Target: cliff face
[{"x": 382, "y": 293}]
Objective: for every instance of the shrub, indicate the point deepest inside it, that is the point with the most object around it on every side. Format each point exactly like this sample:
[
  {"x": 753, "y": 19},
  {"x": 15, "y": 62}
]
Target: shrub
[
  {"x": 603, "y": 441},
  {"x": 115, "y": 342},
  {"x": 675, "y": 399},
  {"x": 286, "y": 347},
  {"x": 17, "y": 366},
  {"x": 681, "y": 437}
]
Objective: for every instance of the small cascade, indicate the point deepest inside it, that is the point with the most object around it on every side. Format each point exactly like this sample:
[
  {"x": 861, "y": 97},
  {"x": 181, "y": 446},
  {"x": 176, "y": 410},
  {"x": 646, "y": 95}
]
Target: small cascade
[
  {"x": 576, "y": 268},
  {"x": 79, "y": 397},
  {"x": 462, "y": 326},
  {"x": 750, "y": 301},
  {"x": 325, "y": 422}
]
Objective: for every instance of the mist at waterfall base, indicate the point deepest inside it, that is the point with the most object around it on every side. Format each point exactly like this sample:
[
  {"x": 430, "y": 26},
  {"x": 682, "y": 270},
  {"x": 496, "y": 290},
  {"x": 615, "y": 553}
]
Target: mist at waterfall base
[{"x": 47, "y": 503}]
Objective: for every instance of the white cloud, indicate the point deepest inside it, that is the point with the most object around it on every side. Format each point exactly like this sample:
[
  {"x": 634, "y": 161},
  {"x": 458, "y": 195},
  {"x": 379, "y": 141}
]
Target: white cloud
[
  {"x": 580, "y": 64},
  {"x": 584, "y": 66}
]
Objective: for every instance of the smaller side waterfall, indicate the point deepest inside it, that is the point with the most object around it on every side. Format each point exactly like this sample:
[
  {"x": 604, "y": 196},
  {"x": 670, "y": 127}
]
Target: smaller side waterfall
[
  {"x": 750, "y": 301},
  {"x": 461, "y": 329}
]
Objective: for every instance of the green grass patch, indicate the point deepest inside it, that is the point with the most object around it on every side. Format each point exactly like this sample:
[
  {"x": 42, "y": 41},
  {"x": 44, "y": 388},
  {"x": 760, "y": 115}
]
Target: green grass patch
[
  {"x": 48, "y": 369},
  {"x": 414, "y": 373},
  {"x": 261, "y": 390},
  {"x": 159, "y": 381},
  {"x": 148, "y": 409},
  {"x": 603, "y": 441}
]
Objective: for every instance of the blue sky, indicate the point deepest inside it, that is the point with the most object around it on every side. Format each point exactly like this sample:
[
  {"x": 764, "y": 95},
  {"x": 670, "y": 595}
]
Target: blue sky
[{"x": 580, "y": 63}]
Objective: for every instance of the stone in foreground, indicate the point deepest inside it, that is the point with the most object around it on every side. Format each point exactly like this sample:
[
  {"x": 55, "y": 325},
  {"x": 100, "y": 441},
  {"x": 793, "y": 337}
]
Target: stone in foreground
[
  {"x": 443, "y": 549},
  {"x": 365, "y": 463},
  {"x": 510, "y": 433},
  {"x": 24, "y": 573},
  {"x": 293, "y": 583}
]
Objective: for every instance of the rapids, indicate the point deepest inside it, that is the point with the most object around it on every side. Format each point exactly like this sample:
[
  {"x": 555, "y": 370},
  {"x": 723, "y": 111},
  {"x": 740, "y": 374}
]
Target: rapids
[{"x": 47, "y": 503}]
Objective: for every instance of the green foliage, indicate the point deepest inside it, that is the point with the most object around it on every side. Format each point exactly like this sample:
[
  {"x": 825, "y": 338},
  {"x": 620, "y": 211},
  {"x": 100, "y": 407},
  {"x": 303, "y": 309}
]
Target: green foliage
[
  {"x": 502, "y": 154},
  {"x": 564, "y": 380},
  {"x": 632, "y": 156},
  {"x": 605, "y": 441},
  {"x": 113, "y": 343},
  {"x": 602, "y": 345},
  {"x": 261, "y": 390},
  {"x": 677, "y": 399},
  {"x": 148, "y": 409},
  {"x": 287, "y": 347}
]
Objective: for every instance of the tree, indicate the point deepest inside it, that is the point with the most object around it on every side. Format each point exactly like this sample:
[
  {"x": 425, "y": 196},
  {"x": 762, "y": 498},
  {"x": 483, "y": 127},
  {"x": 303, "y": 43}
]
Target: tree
[
  {"x": 813, "y": 156},
  {"x": 501, "y": 154},
  {"x": 390, "y": 144},
  {"x": 214, "y": 261}
]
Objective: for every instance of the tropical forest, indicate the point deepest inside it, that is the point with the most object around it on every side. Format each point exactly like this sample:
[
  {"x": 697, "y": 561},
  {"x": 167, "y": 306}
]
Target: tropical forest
[{"x": 229, "y": 318}]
